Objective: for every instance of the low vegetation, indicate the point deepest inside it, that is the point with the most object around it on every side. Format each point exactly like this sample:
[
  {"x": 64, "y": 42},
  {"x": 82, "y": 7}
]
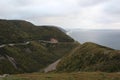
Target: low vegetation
[
  {"x": 35, "y": 55},
  {"x": 32, "y": 57},
  {"x": 66, "y": 76},
  {"x": 91, "y": 57},
  {"x": 88, "y": 61},
  {"x": 14, "y": 31}
]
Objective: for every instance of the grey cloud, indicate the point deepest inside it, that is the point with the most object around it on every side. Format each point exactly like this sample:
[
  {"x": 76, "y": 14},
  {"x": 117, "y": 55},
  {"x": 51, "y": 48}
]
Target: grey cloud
[
  {"x": 106, "y": 20},
  {"x": 57, "y": 11},
  {"x": 91, "y": 2},
  {"x": 113, "y": 7},
  {"x": 20, "y": 2},
  {"x": 111, "y": 13},
  {"x": 42, "y": 8},
  {"x": 28, "y": 8}
]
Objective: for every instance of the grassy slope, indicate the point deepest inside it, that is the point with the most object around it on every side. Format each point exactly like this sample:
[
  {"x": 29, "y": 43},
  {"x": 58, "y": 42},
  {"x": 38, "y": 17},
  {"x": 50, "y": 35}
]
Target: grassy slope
[
  {"x": 66, "y": 76},
  {"x": 91, "y": 57},
  {"x": 12, "y": 31},
  {"x": 32, "y": 57},
  {"x": 36, "y": 55}
]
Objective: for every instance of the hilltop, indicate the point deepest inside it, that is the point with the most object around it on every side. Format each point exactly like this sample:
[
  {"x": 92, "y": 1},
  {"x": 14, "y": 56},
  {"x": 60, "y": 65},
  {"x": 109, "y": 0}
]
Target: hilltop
[
  {"x": 91, "y": 57},
  {"x": 14, "y": 31}
]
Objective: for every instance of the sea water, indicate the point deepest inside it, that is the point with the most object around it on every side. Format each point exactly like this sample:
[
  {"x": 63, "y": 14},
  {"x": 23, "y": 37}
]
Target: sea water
[{"x": 109, "y": 38}]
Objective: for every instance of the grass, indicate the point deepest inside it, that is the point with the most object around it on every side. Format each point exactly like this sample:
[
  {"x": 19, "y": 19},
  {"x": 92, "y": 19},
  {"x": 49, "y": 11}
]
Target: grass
[
  {"x": 65, "y": 76},
  {"x": 91, "y": 57},
  {"x": 12, "y": 78}
]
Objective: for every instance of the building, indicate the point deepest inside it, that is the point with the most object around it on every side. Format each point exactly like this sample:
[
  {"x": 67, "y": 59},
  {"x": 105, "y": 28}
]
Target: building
[{"x": 53, "y": 40}]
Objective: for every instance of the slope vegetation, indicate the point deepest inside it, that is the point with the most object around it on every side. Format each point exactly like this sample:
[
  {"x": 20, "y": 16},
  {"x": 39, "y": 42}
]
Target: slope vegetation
[
  {"x": 25, "y": 47},
  {"x": 13, "y": 31},
  {"x": 91, "y": 57}
]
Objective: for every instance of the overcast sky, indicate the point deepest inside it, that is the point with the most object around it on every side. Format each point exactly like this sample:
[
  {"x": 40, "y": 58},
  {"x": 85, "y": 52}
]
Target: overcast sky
[{"x": 85, "y": 14}]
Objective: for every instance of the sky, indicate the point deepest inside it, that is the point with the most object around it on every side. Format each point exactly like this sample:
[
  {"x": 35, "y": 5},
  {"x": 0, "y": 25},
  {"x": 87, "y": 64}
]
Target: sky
[{"x": 83, "y": 14}]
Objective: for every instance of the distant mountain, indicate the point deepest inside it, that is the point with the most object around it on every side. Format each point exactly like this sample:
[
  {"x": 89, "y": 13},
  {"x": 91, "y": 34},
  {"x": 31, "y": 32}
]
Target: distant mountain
[
  {"x": 25, "y": 47},
  {"x": 91, "y": 57}
]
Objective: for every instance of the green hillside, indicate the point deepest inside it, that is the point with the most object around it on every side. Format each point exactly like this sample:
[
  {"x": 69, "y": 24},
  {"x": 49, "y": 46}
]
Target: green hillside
[
  {"x": 32, "y": 57},
  {"x": 91, "y": 57},
  {"x": 13, "y": 31},
  {"x": 18, "y": 56}
]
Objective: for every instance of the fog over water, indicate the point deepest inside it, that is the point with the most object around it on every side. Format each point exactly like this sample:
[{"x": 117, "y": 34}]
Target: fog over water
[{"x": 109, "y": 38}]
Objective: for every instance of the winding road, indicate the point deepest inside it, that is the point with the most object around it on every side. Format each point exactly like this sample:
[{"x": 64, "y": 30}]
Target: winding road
[
  {"x": 13, "y": 44},
  {"x": 24, "y": 43},
  {"x": 28, "y": 42}
]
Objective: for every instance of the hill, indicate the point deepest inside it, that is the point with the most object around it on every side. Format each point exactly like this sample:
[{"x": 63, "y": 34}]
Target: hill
[
  {"x": 27, "y": 48},
  {"x": 91, "y": 57},
  {"x": 14, "y": 31}
]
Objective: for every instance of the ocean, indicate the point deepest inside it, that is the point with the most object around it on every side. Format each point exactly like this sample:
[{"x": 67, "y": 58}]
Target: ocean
[{"x": 109, "y": 38}]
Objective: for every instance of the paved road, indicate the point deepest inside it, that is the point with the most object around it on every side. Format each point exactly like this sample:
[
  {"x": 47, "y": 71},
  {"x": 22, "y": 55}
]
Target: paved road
[
  {"x": 13, "y": 44},
  {"x": 26, "y": 43}
]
